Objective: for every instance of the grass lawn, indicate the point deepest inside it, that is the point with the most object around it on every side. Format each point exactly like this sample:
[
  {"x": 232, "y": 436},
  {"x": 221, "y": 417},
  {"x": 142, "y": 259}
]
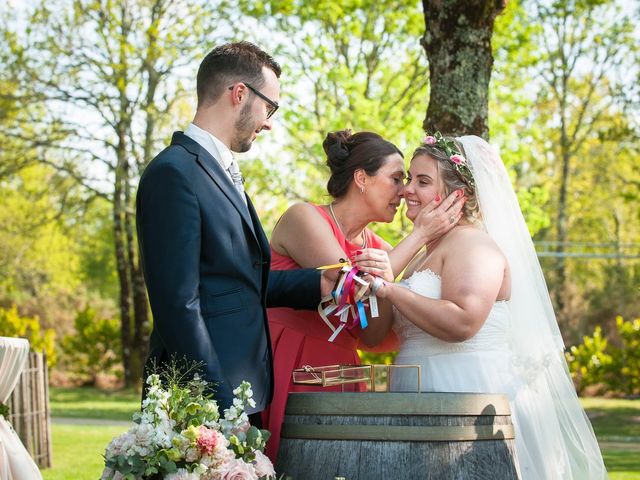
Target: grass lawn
[
  {"x": 613, "y": 417},
  {"x": 617, "y": 426},
  {"x": 93, "y": 403},
  {"x": 78, "y": 449}
]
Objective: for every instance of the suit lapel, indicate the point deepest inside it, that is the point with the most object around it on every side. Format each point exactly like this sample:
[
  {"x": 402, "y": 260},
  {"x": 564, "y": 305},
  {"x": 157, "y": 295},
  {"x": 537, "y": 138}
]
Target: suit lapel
[
  {"x": 265, "y": 250},
  {"x": 262, "y": 238},
  {"x": 213, "y": 169}
]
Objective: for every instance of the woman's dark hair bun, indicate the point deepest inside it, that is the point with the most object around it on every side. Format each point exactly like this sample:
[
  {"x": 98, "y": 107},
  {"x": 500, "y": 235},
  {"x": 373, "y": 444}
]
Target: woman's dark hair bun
[
  {"x": 348, "y": 152},
  {"x": 336, "y": 145}
]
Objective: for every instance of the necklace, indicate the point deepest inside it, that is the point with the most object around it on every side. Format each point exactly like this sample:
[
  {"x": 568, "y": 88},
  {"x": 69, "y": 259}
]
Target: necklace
[{"x": 333, "y": 215}]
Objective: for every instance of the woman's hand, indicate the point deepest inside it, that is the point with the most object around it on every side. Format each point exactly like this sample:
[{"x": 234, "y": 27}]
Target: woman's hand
[
  {"x": 374, "y": 262},
  {"x": 436, "y": 219},
  {"x": 381, "y": 288}
]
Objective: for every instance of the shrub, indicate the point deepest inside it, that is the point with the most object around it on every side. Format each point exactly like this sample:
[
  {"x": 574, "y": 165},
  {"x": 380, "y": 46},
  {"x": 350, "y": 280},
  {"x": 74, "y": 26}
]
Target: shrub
[
  {"x": 13, "y": 325},
  {"x": 94, "y": 347},
  {"x": 597, "y": 361},
  {"x": 590, "y": 362},
  {"x": 627, "y": 357}
]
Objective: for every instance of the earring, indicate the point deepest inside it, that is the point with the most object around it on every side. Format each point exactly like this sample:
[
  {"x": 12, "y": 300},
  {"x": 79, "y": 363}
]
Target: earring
[{"x": 361, "y": 189}]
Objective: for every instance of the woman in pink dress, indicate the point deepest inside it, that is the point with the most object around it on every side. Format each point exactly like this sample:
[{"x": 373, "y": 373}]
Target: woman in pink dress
[{"x": 367, "y": 176}]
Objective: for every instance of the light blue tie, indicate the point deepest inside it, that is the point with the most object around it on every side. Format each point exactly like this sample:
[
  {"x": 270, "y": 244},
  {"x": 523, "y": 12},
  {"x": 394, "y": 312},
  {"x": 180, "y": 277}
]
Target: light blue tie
[{"x": 237, "y": 179}]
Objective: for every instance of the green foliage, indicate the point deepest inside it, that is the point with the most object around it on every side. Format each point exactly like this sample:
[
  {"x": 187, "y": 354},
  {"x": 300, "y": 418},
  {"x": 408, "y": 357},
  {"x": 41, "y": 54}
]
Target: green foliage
[
  {"x": 353, "y": 64},
  {"x": 36, "y": 254},
  {"x": 599, "y": 362},
  {"x": 373, "y": 358},
  {"x": 589, "y": 362},
  {"x": 14, "y": 325},
  {"x": 95, "y": 240},
  {"x": 628, "y": 356},
  {"x": 94, "y": 346}
]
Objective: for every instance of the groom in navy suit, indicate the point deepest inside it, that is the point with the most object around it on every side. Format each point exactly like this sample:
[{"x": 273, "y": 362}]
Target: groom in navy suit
[{"x": 205, "y": 256}]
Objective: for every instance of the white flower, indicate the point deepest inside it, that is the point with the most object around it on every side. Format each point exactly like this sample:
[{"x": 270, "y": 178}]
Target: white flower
[
  {"x": 143, "y": 439},
  {"x": 182, "y": 474},
  {"x": 263, "y": 465},
  {"x": 191, "y": 454},
  {"x": 119, "y": 445}
]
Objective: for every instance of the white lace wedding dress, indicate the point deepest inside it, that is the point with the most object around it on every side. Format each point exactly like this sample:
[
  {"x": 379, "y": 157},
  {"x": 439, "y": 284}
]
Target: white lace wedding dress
[{"x": 486, "y": 364}]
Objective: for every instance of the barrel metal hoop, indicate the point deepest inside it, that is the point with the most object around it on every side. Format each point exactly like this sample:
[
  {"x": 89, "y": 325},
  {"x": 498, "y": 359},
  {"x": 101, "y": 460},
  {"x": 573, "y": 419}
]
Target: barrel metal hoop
[
  {"x": 335, "y": 403},
  {"x": 388, "y": 433}
]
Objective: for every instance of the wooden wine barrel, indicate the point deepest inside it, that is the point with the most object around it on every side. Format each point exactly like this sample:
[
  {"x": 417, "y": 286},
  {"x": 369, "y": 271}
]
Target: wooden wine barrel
[{"x": 368, "y": 436}]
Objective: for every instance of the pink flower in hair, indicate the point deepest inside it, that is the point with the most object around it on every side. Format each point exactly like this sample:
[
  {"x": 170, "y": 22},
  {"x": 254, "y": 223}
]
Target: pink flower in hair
[
  {"x": 457, "y": 159},
  {"x": 429, "y": 140}
]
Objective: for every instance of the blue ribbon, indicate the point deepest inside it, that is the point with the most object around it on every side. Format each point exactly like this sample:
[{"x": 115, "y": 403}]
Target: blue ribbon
[{"x": 363, "y": 316}]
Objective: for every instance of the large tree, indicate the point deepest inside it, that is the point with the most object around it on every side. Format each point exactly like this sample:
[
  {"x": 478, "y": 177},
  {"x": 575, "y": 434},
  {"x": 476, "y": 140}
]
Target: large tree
[
  {"x": 354, "y": 64},
  {"x": 457, "y": 40},
  {"x": 585, "y": 55},
  {"x": 111, "y": 76}
]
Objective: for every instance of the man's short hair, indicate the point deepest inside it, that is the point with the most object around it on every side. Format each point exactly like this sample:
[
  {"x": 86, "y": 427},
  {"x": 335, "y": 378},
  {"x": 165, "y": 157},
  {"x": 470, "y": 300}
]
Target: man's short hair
[{"x": 230, "y": 63}]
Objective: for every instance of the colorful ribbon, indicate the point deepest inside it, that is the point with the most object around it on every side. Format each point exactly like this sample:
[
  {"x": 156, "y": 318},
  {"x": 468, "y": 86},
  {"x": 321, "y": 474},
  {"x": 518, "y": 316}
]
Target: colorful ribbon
[{"x": 346, "y": 300}]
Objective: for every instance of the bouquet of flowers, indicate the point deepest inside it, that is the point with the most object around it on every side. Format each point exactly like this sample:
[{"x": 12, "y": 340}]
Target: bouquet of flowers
[{"x": 179, "y": 435}]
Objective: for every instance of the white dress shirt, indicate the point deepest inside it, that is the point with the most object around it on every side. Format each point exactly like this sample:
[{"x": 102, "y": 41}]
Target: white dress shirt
[{"x": 211, "y": 144}]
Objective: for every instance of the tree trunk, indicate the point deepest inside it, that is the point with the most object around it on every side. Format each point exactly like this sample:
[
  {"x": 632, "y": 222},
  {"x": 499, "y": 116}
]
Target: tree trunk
[
  {"x": 123, "y": 271},
  {"x": 561, "y": 220},
  {"x": 457, "y": 40},
  {"x": 139, "y": 294},
  {"x": 122, "y": 203}
]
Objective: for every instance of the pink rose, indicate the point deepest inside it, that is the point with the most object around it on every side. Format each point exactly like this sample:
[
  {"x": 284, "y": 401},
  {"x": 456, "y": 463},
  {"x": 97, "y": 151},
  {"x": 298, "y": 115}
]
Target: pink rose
[
  {"x": 263, "y": 465},
  {"x": 236, "y": 469},
  {"x": 457, "y": 159},
  {"x": 429, "y": 140}
]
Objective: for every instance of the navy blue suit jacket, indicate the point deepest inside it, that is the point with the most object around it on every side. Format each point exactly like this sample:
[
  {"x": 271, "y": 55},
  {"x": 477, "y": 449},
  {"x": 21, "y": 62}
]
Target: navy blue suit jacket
[{"x": 206, "y": 263}]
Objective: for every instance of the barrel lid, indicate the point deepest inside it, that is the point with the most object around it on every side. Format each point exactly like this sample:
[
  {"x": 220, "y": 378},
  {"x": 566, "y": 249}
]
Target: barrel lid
[{"x": 395, "y": 403}]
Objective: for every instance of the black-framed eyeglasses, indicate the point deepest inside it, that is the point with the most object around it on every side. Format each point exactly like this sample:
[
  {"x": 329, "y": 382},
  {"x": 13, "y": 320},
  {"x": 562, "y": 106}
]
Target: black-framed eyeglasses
[{"x": 273, "y": 106}]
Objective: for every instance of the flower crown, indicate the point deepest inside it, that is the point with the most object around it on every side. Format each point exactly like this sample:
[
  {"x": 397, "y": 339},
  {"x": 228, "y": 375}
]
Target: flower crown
[{"x": 455, "y": 156}]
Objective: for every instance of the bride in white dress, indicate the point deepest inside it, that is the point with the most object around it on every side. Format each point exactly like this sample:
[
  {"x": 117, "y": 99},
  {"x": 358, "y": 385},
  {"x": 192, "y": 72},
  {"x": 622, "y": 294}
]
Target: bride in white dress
[{"x": 474, "y": 311}]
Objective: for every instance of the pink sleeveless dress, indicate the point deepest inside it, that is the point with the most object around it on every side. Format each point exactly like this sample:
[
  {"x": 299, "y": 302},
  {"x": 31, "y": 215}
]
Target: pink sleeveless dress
[{"x": 300, "y": 337}]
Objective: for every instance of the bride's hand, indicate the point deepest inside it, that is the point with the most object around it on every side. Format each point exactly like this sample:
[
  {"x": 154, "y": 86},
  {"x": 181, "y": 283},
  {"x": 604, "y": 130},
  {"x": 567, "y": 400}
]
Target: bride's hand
[
  {"x": 374, "y": 262},
  {"x": 436, "y": 219}
]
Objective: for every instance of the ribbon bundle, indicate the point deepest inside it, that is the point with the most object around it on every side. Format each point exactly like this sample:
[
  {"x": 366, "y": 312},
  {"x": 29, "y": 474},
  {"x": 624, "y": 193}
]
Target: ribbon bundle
[{"x": 347, "y": 300}]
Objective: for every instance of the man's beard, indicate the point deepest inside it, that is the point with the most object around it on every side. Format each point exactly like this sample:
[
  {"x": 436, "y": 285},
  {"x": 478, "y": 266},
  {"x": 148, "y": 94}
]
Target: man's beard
[{"x": 244, "y": 126}]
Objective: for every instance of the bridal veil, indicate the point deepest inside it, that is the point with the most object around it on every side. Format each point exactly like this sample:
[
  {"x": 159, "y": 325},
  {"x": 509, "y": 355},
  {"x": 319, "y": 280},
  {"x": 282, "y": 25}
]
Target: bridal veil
[{"x": 534, "y": 334}]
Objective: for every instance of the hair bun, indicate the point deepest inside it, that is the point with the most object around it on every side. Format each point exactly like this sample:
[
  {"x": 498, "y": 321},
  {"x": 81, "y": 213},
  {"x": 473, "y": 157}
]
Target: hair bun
[
  {"x": 338, "y": 151},
  {"x": 336, "y": 145}
]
